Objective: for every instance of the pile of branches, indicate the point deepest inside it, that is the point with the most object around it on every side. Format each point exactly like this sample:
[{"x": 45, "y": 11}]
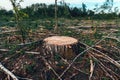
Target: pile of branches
[{"x": 94, "y": 63}]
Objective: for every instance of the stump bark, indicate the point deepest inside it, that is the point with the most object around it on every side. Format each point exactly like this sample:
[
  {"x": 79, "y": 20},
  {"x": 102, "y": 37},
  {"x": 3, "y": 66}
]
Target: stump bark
[{"x": 66, "y": 47}]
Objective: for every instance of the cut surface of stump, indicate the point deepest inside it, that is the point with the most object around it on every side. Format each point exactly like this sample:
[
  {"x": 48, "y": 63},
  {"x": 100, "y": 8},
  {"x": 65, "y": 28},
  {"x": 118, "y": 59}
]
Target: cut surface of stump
[{"x": 66, "y": 46}]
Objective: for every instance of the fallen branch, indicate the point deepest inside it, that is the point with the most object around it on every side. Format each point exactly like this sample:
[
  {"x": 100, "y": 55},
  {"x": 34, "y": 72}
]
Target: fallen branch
[
  {"x": 114, "y": 38},
  {"x": 106, "y": 69},
  {"x": 83, "y": 52},
  {"x": 50, "y": 68},
  {"x": 8, "y": 31},
  {"x": 116, "y": 48},
  {"x": 107, "y": 73},
  {"x": 31, "y": 43},
  {"x": 6, "y": 50},
  {"x": 24, "y": 78},
  {"x": 73, "y": 66},
  {"x": 8, "y": 72},
  {"x": 47, "y": 64},
  {"x": 91, "y": 68},
  {"x": 28, "y": 52},
  {"x": 105, "y": 56}
]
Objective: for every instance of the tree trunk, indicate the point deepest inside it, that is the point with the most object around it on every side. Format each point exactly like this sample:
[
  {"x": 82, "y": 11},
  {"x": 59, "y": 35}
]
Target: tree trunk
[
  {"x": 56, "y": 21},
  {"x": 66, "y": 47}
]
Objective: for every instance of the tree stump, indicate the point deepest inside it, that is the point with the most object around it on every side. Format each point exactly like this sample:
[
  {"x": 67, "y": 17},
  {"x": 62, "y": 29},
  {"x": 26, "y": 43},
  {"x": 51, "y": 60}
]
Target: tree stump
[{"x": 66, "y": 47}]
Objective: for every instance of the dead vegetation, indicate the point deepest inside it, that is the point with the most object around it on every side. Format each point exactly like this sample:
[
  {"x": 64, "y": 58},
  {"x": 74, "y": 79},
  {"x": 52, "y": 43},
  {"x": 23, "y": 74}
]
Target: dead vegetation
[{"x": 98, "y": 59}]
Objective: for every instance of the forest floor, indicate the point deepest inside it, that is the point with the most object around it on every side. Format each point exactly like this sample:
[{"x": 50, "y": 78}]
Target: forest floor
[{"x": 29, "y": 61}]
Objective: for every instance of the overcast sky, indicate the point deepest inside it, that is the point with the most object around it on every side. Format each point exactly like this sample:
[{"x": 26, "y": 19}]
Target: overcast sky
[{"x": 90, "y": 3}]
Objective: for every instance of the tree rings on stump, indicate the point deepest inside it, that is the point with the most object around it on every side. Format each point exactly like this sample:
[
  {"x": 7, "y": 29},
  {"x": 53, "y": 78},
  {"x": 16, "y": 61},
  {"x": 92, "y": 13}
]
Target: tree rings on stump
[{"x": 67, "y": 47}]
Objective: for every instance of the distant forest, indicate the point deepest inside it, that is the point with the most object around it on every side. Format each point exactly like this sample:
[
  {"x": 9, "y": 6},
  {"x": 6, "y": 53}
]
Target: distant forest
[{"x": 40, "y": 11}]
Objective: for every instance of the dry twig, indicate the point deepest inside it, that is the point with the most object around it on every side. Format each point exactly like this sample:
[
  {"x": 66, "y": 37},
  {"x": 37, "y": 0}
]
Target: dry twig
[
  {"x": 92, "y": 65},
  {"x": 104, "y": 56},
  {"x": 8, "y": 72},
  {"x": 108, "y": 71}
]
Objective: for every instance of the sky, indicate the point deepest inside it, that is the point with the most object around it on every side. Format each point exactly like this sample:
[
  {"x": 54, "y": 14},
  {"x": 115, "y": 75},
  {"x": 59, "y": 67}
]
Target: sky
[{"x": 90, "y": 3}]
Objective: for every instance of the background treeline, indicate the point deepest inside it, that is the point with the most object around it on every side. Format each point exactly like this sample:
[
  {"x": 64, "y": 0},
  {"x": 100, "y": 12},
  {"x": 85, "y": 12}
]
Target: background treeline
[{"x": 38, "y": 11}]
